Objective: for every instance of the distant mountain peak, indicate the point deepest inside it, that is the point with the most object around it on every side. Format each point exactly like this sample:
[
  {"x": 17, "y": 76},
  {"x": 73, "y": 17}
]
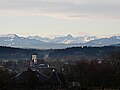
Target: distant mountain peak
[
  {"x": 39, "y": 38},
  {"x": 9, "y": 35},
  {"x": 69, "y": 35}
]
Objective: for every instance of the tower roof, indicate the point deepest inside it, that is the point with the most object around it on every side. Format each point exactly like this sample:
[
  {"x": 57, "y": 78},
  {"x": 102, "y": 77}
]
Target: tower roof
[
  {"x": 54, "y": 78},
  {"x": 29, "y": 76}
]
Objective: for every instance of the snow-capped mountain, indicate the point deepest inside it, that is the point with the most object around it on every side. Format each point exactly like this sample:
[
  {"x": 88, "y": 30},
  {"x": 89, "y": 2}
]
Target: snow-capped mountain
[
  {"x": 14, "y": 40},
  {"x": 85, "y": 39},
  {"x": 39, "y": 38},
  {"x": 8, "y": 35},
  {"x": 69, "y": 39},
  {"x": 104, "y": 41},
  {"x": 64, "y": 39}
]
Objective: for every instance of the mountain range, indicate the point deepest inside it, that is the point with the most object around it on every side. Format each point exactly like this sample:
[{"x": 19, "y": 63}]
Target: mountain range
[
  {"x": 13, "y": 40},
  {"x": 69, "y": 39}
]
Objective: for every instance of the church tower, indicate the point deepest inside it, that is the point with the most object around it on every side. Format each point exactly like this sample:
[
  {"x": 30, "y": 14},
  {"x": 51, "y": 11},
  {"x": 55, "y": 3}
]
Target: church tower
[{"x": 34, "y": 58}]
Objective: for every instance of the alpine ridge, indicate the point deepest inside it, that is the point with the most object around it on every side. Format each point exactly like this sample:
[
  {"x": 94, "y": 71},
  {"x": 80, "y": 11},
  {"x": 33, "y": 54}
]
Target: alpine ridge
[{"x": 13, "y": 40}]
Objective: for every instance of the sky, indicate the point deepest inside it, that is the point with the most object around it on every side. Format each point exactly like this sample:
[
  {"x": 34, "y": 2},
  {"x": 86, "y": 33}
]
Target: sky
[{"x": 59, "y": 17}]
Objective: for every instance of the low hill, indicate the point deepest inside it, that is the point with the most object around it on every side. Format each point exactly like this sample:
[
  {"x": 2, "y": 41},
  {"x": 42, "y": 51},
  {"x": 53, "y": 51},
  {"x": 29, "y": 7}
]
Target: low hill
[
  {"x": 10, "y": 53},
  {"x": 89, "y": 52}
]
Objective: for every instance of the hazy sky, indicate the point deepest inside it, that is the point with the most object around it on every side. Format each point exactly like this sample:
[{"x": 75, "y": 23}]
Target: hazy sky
[{"x": 59, "y": 17}]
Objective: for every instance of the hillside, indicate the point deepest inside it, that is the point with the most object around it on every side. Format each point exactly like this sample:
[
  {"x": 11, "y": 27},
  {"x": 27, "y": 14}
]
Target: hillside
[
  {"x": 10, "y": 53},
  {"x": 89, "y": 52}
]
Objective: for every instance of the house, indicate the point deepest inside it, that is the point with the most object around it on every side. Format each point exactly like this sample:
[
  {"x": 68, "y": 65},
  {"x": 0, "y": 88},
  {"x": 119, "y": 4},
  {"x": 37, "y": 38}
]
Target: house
[{"x": 34, "y": 80}]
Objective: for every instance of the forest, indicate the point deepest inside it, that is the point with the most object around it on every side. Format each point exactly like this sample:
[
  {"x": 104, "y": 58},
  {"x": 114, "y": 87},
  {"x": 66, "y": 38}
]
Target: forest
[
  {"x": 11, "y": 53},
  {"x": 92, "y": 73}
]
